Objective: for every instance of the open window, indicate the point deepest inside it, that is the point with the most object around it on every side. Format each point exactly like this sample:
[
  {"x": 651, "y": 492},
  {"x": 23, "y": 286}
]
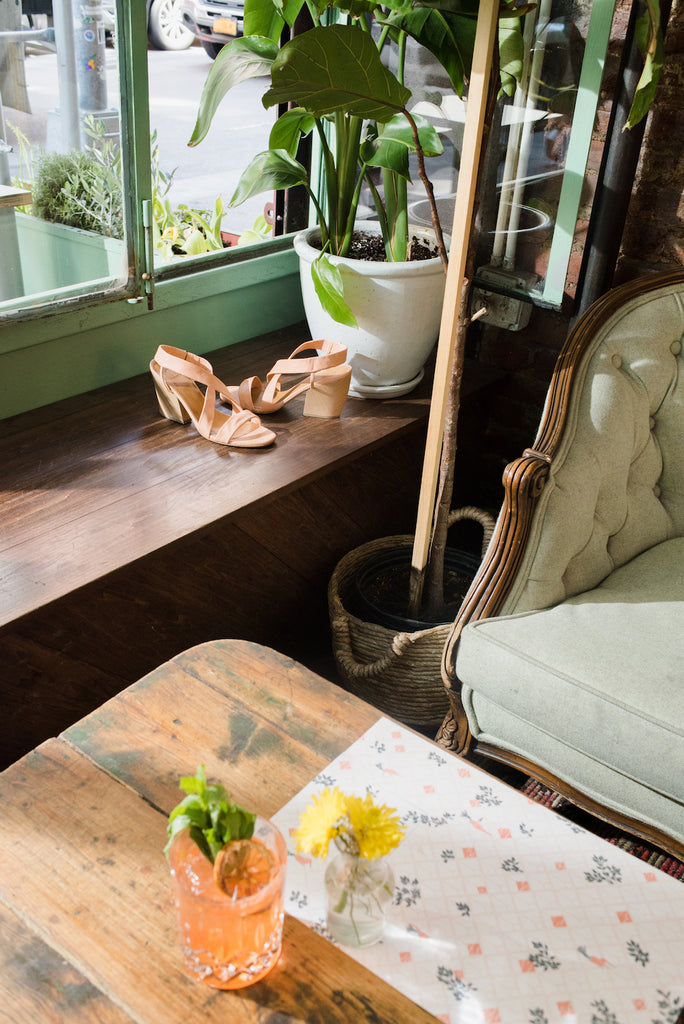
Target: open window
[{"x": 99, "y": 193}]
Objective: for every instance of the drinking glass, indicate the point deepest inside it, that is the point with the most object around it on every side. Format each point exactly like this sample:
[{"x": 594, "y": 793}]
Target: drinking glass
[{"x": 228, "y": 942}]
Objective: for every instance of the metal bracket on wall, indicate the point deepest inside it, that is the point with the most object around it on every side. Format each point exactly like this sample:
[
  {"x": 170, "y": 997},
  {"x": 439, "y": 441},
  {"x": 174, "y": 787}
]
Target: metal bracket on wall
[{"x": 503, "y": 308}]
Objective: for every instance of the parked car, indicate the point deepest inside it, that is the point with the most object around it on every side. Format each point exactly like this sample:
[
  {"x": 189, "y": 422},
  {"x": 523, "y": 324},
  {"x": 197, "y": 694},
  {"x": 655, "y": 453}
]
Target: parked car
[
  {"x": 214, "y": 22},
  {"x": 165, "y": 27}
]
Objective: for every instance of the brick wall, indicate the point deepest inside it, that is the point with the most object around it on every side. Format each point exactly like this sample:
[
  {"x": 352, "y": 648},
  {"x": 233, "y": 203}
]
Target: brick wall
[{"x": 654, "y": 233}]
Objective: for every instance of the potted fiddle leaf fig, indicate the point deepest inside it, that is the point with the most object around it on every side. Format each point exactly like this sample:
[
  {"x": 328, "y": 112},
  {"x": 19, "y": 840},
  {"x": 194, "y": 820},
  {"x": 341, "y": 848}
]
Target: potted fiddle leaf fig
[{"x": 334, "y": 83}]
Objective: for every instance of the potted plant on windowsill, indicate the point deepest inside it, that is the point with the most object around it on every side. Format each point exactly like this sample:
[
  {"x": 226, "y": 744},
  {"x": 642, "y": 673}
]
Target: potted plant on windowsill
[
  {"x": 420, "y": 667},
  {"x": 334, "y": 82}
]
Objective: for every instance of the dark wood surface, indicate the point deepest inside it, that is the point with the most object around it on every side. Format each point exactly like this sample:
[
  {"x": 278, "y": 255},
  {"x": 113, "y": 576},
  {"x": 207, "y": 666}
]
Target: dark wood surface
[
  {"x": 95, "y": 482},
  {"x": 127, "y": 538},
  {"x": 86, "y": 915}
]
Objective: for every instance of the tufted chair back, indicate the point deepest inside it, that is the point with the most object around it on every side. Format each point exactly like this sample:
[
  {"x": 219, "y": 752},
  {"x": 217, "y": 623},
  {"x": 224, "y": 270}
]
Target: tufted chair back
[{"x": 616, "y": 480}]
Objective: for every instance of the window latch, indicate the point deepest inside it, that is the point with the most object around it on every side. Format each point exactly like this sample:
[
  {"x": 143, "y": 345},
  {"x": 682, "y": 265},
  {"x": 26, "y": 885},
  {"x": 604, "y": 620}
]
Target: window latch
[{"x": 148, "y": 252}]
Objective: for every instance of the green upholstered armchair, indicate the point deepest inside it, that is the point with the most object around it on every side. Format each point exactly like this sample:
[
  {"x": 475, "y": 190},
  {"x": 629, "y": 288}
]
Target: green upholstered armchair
[{"x": 567, "y": 656}]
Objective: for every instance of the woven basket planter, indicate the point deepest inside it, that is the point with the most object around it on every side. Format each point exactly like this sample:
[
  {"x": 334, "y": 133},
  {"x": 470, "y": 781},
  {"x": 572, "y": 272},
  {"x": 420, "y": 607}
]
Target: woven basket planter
[{"x": 398, "y": 672}]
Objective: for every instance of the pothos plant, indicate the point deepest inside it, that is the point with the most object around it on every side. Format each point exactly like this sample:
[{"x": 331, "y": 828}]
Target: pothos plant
[{"x": 334, "y": 83}]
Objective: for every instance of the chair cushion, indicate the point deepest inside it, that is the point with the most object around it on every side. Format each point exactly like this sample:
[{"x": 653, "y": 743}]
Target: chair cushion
[
  {"x": 616, "y": 481},
  {"x": 603, "y": 672}
]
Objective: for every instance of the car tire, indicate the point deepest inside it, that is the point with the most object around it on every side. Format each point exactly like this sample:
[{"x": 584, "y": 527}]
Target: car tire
[
  {"x": 212, "y": 49},
  {"x": 165, "y": 28}
]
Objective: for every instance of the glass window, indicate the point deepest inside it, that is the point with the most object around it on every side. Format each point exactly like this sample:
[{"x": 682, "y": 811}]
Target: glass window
[
  {"x": 533, "y": 187},
  {"x": 62, "y": 218},
  {"x": 94, "y": 193},
  {"x": 192, "y": 187}
]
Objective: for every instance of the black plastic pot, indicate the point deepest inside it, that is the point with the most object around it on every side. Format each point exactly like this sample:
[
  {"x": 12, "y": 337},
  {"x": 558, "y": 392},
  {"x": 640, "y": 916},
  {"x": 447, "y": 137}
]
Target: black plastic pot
[{"x": 381, "y": 587}]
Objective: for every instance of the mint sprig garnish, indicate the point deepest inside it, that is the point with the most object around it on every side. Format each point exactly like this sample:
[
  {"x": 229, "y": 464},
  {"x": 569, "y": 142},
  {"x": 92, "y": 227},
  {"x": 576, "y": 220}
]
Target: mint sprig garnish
[{"x": 209, "y": 815}]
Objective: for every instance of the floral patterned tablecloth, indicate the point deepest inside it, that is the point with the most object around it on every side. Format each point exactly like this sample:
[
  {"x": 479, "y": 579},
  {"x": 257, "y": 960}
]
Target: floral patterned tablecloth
[{"x": 504, "y": 912}]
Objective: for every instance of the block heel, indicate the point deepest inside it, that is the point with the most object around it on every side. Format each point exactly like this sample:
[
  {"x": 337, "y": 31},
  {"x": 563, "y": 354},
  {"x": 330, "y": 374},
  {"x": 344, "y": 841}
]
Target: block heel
[
  {"x": 169, "y": 404},
  {"x": 325, "y": 398}
]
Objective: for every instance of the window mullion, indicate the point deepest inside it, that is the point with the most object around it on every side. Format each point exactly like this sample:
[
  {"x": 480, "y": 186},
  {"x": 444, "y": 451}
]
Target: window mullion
[{"x": 135, "y": 134}]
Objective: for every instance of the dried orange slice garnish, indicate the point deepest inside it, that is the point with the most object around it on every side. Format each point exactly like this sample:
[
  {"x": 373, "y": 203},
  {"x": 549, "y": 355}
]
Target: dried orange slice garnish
[{"x": 243, "y": 867}]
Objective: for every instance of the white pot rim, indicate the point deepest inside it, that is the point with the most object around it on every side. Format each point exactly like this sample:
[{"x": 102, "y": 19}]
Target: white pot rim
[{"x": 413, "y": 268}]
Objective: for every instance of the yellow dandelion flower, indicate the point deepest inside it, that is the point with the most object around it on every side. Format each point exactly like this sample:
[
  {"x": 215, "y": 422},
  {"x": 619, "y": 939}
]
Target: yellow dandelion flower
[
  {"x": 317, "y": 822},
  {"x": 375, "y": 826}
]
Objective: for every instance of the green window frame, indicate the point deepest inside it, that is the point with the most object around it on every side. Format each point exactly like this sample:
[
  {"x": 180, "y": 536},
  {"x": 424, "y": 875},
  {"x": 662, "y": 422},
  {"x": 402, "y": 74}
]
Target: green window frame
[{"x": 57, "y": 349}]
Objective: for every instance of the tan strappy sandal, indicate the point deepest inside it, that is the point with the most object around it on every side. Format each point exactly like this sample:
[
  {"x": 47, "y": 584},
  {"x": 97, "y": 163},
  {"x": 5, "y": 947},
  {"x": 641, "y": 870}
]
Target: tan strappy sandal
[
  {"x": 326, "y": 379},
  {"x": 176, "y": 375}
]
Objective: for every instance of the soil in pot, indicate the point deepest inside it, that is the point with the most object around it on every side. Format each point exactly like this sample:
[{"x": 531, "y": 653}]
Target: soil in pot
[
  {"x": 369, "y": 246},
  {"x": 382, "y": 588}
]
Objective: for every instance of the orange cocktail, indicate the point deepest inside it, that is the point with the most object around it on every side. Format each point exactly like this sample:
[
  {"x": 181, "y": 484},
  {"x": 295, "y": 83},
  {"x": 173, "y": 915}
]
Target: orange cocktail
[{"x": 230, "y": 941}]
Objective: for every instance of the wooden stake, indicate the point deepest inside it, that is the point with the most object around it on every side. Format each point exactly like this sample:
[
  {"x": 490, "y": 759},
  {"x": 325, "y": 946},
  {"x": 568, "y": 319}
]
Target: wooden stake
[{"x": 460, "y": 235}]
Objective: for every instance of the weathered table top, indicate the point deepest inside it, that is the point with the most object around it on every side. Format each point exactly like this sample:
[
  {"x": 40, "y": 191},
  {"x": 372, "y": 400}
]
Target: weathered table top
[{"x": 87, "y": 924}]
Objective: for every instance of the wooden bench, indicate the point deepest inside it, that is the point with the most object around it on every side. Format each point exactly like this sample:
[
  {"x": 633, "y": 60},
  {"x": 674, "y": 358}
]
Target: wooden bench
[{"x": 127, "y": 538}]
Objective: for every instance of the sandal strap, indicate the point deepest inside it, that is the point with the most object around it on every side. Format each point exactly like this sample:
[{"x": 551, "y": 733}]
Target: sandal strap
[
  {"x": 198, "y": 370},
  {"x": 238, "y": 424},
  {"x": 187, "y": 364},
  {"x": 333, "y": 353},
  {"x": 246, "y": 392}
]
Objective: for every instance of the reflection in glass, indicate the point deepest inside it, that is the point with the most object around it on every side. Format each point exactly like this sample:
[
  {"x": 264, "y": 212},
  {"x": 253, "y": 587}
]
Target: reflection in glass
[
  {"x": 527, "y": 167},
  {"x": 59, "y": 125},
  {"x": 191, "y": 188}
]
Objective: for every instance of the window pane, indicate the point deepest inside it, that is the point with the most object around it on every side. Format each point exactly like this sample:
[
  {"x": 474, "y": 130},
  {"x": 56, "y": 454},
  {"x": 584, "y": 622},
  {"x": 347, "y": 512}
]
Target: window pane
[
  {"x": 59, "y": 119},
  {"x": 537, "y": 153},
  {"x": 192, "y": 210}
]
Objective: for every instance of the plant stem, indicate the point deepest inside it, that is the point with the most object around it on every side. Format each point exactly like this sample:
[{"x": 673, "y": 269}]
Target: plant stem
[
  {"x": 348, "y": 137},
  {"x": 380, "y": 210},
  {"x": 327, "y": 227},
  {"x": 433, "y": 593},
  {"x": 431, "y": 580},
  {"x": 427, "y": 184}
]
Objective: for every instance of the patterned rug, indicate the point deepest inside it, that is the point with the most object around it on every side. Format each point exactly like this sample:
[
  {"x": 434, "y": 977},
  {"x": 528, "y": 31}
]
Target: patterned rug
[{"x": 649, "y": 854}]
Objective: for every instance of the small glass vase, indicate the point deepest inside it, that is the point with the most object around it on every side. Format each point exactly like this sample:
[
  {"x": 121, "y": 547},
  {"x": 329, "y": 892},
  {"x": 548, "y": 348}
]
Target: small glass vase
[{"x": 359, "y": 892}]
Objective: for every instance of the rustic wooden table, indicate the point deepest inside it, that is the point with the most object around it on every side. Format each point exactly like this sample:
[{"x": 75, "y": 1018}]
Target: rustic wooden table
[{"x": 87, "y": 924}]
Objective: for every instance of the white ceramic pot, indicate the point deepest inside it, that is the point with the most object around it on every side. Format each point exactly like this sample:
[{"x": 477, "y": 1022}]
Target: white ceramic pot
[{"x": 398, "y": 307}]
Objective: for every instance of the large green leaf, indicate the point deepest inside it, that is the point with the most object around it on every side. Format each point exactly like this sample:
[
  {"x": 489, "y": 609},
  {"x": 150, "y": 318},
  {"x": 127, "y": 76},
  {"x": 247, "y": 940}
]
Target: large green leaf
[
  {"x": 510, "y": 53},
  {"x": 289, "y": 128},
  {"x": 381, "y": 152},
  {"x": 329, "y": 287},
  {"x": 399, "y": 130},
  {"x": 270, "y": 170},
  {"x": 336, "y": 68},
  {"x": 390, "y": 149},
  {"x": 356, "y": 8},
  {"x": 262, "y": 18},
  {"x": 650, "y": 42},
  {"x": 449, "y": 36},
  {"x": 240, "y": 59}
]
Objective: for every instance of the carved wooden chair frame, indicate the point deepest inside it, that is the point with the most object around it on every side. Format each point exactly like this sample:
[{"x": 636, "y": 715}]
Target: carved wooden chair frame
[{"x": 523, "y": 482}]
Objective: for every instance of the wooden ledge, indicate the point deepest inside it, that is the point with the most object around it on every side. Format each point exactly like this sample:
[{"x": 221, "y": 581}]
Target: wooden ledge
[
  {"x": 11, "y": 196},
  {"x": 96, "y": 482}
]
